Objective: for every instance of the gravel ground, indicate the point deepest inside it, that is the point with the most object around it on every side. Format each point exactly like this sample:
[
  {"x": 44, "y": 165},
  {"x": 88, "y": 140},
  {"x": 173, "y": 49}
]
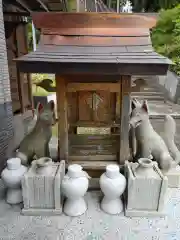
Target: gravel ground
[{"x": 93, "y": 225}]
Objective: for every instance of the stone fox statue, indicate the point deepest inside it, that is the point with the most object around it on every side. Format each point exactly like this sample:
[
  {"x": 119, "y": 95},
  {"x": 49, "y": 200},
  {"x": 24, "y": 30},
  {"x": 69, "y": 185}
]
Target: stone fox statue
[
  {"x": 169, "y": 134},
  {"x": 132, "y": 136},
  {"x": 36, "y": 143},
  {"x": 148, "y": 141}
]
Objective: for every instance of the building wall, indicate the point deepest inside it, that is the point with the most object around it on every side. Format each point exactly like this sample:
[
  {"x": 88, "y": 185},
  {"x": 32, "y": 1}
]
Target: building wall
[
  {"x": 6, "y": 128},
  {"x": 170, "y": 83}
]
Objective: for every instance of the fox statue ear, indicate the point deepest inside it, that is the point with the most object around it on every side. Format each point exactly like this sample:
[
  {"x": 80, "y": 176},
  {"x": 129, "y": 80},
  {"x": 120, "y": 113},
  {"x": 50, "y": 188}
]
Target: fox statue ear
[
  {"x": 39, "y": 107},
  {"x": 51, "y": 105},
  {"x": 133, "y": 103},
  {"x": 145, "y": 106}
]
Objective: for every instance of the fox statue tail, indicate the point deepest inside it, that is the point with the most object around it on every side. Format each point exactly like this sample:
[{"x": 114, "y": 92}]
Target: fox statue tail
[{"x": 169, "y": 134}]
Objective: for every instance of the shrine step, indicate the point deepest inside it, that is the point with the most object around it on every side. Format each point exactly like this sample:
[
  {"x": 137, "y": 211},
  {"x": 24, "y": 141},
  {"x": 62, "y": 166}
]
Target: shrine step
[
  {"x": 146, "y": 93},
  {"x": 89, "y": 124},
  {"x": 95, "y": 169},
  {"x": 148, "y": 89},
  {"x": 94, "y": 165},
  {"x": 92, "y": 148},
  {"x": 87, "y": 139},
  {"x": 142, "y": 97},
  {"x": 88, "y": 150},
  {"x": 92, "y": 158}
]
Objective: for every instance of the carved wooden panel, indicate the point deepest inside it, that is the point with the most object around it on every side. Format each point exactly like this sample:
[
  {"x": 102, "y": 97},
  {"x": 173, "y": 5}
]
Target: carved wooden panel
[
  {"x": 102, "y": 106},
  {"x": 72, "y": 99},
  {"x": 95, "y": 106},
  {"x": 85, "y": 106}
]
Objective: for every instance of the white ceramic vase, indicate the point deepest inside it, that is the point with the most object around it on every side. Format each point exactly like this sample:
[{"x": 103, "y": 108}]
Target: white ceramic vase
[
  {"x": 112, "y": 184},
  {"x": 74, "y": 186},
  {"x": 43, "y": 166},
  {"x": 11, "y": 177}
]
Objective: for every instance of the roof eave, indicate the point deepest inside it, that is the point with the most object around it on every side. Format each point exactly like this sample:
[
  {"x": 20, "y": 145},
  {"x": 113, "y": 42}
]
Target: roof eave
[{"x": 92, "y": 68}]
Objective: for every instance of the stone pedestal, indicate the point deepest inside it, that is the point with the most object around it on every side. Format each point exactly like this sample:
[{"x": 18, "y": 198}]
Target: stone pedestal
[
  {"x": 42, "y": 193},
  {"x": 145, "y": 195},
  {"x": 173, "y": 176}
]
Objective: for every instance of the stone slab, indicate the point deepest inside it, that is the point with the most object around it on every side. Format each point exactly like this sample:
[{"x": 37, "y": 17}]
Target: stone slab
[
  {"x": 173, "y": 177},
  {"x": 140, "y": 213},
  {"x": 41, "y": 212},
  {"x": 158, "y": 109}
]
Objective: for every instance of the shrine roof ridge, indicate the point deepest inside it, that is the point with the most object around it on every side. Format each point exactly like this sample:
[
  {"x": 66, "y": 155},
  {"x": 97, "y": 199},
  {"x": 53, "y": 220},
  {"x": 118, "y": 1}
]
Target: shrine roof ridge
[{"x": 92, "y": 20}]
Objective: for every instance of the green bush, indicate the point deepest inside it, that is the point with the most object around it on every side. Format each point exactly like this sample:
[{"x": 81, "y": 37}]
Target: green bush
[
  {"x": 30, "y": 36},
  {"x": 36, "y": 78},
  {"x": 166, "y": 36},
  {"x": 153, "y": 5}
]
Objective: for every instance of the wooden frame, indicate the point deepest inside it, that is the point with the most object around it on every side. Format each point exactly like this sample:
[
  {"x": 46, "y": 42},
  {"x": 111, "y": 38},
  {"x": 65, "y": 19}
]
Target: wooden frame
[
  {"x": 62, "y": 114},
  {"x": 92, "y": 20},
  {"x": 20, "y": 75},
  {"x": 122, "y": 89},
  {"x": 91, "y": 68},
  {"x": 19, "y": 48},
  {"x": 125, "y": 110},
  {"x": 111, "y": 87}
]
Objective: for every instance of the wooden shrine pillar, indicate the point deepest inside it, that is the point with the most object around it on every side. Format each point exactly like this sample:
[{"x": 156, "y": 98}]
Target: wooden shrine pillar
[
  {"x": 62, "y": 118},
  {"x": 19, "y": 38},
  {"x": 124, "y": 131}
]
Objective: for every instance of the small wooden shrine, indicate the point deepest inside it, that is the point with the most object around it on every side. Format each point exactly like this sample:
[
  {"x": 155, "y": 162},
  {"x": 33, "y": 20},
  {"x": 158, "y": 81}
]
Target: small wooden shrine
[{"x": 93, "y": 56}]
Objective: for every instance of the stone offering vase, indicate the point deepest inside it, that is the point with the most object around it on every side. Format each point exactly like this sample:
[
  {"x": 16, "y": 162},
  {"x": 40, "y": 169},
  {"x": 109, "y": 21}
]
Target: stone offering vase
[
  {"x": 41, "y": 187},
  {"x": 112, "y": 184},
  {"x": 146, "y": 189},
  {"x": 145, "y": 168},
  {"x": 74, "y": 186},
  {"x": 11, "y": 177}
]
